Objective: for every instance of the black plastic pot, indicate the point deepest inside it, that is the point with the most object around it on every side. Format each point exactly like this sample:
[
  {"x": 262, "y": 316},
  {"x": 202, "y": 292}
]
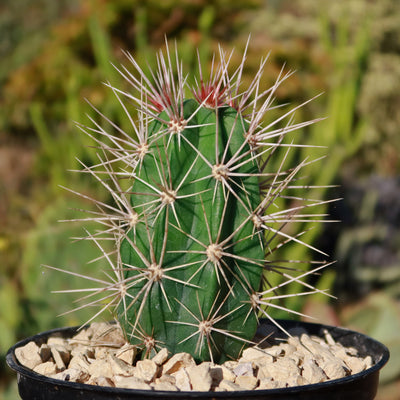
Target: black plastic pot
[{"x": 361, "y": 386}]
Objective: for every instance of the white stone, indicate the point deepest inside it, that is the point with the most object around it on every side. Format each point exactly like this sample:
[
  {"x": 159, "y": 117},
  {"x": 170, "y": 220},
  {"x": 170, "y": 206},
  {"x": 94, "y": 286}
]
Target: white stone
[
  {"x": 72, "y": 375},
  {"x": 281, "y": 384},
  {"x": 82, "y": 337},
  {"x": 328, "y": 338},
  {"x": 56, "y": 341},
  {"x": 333, "y": 369},
  {"x": 288, "y": 349},
  {"x": 130, "y": 382},
  {"x": 254, "y": 353},
  {"x": 245, "y": 368},
  {"x": 178, "y": 361},
  {"x": 267, "y": 383},
  {"x": 47, "y": 368},
  {"x": 106, "y": 334},
  {"x": 246, "y": 382},
  {"x": 296, "y": 380},
  {"x": 228, "y": 386},
  {"x": 261, "y": 361},
  {"x": 230, "y": 364},
  {"x": 100, "y": 381},
  {"x": 161, "y": 357},
  {"x": 368, "y": 362},
  {"x": 200, "y": 377},
  {"x": 280, "y": 370},
  {"x": 351, "y": 351},
  {"x": 182, "y": 380},
  {"x": 127, "y": 353},
  {"x": 120, "y": 367},
  {"x": 319, "y": 351},
  {"x": 312, "y": 372},
  {"x": 100, "y": 368},
  {"x": 101, "y": 352},
  {"x": 294, "y": 341},
  {"x": 166, "y": 378},
  {"x": 274, "y": 351},
  {"x": 61, "y": 356},
  {"x": 79, "y": 362},
  {"x": 296, "y": 358},
  {"x": 164, "y": 386},
  {"x": 146, "y": 370},
  {"x": 28, "y": 355},
  {"x": 82, "y": 350}
]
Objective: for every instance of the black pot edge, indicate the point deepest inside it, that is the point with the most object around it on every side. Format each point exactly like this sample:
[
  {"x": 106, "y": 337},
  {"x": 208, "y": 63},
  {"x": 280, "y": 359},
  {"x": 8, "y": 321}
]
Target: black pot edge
[{"x": 20, "y": 369}]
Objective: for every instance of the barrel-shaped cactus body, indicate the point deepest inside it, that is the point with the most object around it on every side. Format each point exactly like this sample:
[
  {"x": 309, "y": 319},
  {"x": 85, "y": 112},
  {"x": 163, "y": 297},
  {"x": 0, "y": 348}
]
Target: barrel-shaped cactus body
[
  {"x": 194, "y": 258},
  {"x": 196, "y": 210}
]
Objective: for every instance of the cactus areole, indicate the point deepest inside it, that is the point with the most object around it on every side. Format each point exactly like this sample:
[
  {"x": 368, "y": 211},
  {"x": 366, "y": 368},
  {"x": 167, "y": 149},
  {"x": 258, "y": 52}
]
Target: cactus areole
[{"x": 194, "y": 208}]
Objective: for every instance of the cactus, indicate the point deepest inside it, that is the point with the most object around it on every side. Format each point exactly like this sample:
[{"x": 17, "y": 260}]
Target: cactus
[{"x": 192, "y": 218}]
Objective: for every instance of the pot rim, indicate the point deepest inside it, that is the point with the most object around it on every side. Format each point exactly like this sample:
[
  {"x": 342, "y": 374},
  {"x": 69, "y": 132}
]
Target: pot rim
[{"x": 20, "y": 369}]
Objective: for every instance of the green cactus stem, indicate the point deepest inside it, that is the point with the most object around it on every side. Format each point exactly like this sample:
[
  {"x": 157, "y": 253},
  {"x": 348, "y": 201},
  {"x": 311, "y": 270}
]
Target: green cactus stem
[{"x": 194, "y": 258}]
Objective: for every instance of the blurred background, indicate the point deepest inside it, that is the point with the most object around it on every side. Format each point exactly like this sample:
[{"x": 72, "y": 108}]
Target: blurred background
[{"x": 55, "y": 54}]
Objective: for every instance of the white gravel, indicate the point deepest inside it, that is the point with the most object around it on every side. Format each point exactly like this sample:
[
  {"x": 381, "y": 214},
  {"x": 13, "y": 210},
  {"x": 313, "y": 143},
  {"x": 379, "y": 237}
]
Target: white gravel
[{"x": 99, "y": 355}]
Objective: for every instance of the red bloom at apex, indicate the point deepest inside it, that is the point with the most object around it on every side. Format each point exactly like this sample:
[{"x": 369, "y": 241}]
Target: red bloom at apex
[
  {"x": 211, "y": 95},
  {"x": 161, "y": 101}
]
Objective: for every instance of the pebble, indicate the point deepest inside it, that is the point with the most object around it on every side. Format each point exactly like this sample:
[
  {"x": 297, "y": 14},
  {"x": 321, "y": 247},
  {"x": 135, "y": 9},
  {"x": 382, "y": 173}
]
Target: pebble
[
  {"x": 357, "y": 365},
  {"x": 245, "y": 368},
  {"x": 126, "y": 353},
  {"x": 72, "y": 375},
  {"x": 228, "y": 386},
  {"x": 120, "y": 367},
  {"x": 200, "y": 377},
  {"x": 312, "y": 372},
  {"x": 100, "y": 367},
  {"x": 100, "y": 381},
  {"x": 267, "y": 383},
  {"x": 60, "y": 356},
  {"x": 104, "y": 333},
  {"x": 55, "y": 341},
  {"x": 130, "y": 382},
  {"x": 247, "y": 382},
  {"x": 47, "y": 368},
  {"x": 146, "y": 370},
  {"x": 28, "y": 355},
  {"x": 182, "y": 380},
  {"x": 178, "y": 361},
  {"x": 333, "y": 369},
  {"x": 165, "y": 378},
  {"x": 101, "y": 352},
  {"x": 99, "y": 355},
  {"x": 254, "y": 353},
  {"x": 164, "y": 386},
  {"x": 79, "y": 362},
  {"x": 161, "y": 356}
]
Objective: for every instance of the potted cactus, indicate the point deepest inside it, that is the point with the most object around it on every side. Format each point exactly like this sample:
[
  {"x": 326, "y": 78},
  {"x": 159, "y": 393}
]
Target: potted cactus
[{"x": 193, "y": 218}]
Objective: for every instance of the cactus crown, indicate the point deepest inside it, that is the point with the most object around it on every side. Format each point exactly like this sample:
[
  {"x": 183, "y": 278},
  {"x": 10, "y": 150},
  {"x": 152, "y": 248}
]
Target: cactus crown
[{"x": 194, "y": 209}]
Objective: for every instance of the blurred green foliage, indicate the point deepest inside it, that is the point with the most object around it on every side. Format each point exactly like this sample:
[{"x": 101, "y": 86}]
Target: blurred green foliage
[{"x": 56, "y": 54}]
